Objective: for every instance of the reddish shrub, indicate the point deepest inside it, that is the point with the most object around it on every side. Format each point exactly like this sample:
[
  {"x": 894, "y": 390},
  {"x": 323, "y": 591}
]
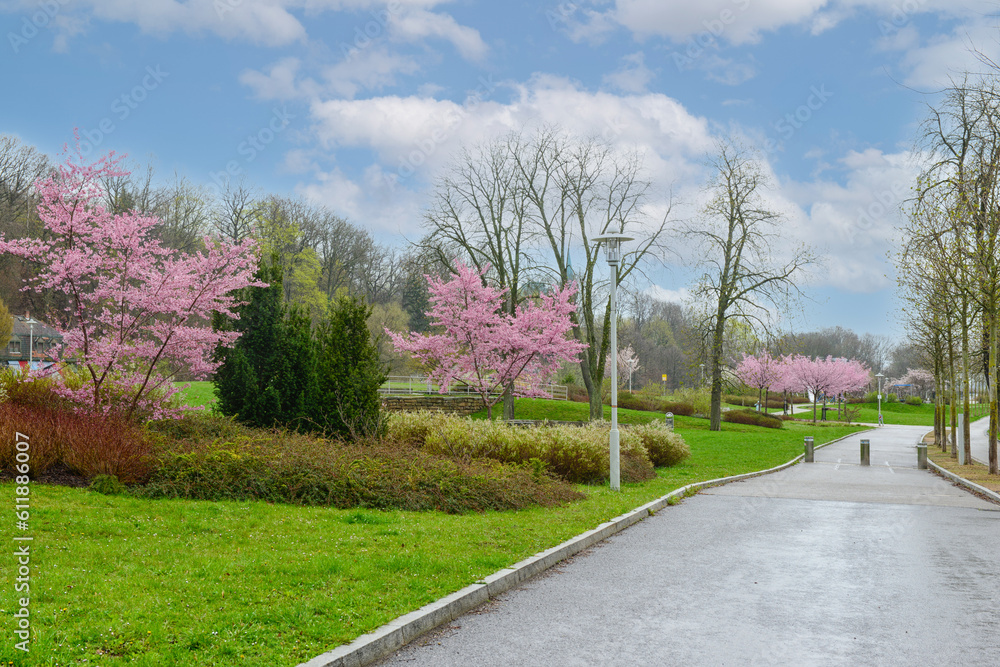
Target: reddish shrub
[{"x": 87, "y": 444}]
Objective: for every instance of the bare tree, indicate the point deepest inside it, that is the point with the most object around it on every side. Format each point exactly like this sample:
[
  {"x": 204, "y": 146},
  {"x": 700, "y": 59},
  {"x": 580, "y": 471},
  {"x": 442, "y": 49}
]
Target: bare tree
[
  {"x": 738, "y": 235},
  {"x": 479, "y": 213},
  {"x": 233, "y": 212},
  {"x": 184, "y": 212},
  {"x": 578, "y": 190}
]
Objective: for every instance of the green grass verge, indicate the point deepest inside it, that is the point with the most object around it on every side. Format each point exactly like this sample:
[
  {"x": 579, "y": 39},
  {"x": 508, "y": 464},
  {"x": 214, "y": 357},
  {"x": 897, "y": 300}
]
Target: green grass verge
[
  {"x": 199, "y": 394},
  {"x": 118, "y": 581}
]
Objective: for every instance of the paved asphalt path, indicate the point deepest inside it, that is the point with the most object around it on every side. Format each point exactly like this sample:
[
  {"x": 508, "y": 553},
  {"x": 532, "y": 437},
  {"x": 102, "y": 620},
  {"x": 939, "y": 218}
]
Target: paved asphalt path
[{"x": 828, "y": 563}]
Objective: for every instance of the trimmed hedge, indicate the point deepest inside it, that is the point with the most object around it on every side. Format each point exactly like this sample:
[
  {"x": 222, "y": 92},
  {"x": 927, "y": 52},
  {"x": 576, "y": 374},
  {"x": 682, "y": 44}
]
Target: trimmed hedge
[
  {"x": 751, "y": 417},
  {"x": 654, "y": 404}
]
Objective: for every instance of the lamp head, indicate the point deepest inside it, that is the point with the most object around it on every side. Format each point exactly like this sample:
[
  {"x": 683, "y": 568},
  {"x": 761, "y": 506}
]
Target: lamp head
[{"x": 613, "y": 246}]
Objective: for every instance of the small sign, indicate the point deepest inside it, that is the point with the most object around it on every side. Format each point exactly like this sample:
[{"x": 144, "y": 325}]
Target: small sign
[{"x": 664, "y": 376}]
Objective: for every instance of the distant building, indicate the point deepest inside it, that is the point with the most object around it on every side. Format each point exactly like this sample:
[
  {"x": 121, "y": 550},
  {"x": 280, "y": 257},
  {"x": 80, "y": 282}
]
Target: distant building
[{"x": 29, "y": 333}]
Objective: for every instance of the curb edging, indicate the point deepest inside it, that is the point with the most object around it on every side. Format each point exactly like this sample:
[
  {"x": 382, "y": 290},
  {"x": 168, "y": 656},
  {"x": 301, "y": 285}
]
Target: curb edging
[
  {"x": 400, "y": 631},
  {"x": 992, "y": 495}
]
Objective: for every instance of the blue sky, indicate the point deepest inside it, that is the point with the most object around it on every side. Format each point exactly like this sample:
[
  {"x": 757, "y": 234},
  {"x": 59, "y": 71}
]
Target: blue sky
[{"x": 359, "y": 105}]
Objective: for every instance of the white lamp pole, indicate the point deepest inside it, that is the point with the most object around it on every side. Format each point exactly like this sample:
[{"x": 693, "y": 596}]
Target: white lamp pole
[
  {"x": 31, "y": 342},
  {"x": 880, "y": 376},
  {"x": 613, "y": 247}
]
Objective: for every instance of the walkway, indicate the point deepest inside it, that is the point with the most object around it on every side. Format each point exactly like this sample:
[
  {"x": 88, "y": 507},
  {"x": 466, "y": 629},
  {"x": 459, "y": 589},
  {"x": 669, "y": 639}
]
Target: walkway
[{"x": 827, "y": 563}]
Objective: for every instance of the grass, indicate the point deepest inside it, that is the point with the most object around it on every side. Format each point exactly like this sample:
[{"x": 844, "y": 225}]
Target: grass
[
  {"x": 118, "y": 580},
  {"x": 895, "y": 413},
  {"x": 199, "y": 394},
  {"x": 974, "y": 472},
  {"x": 543, "y": 408}
]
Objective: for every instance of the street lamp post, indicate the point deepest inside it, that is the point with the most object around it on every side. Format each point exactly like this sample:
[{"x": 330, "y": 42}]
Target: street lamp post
[
  {"x": 879, "y": 376},
  {"x": 31, "y": 342},
  {"x": 702, "y": 374},
  {"x": 613, "y": 248}
]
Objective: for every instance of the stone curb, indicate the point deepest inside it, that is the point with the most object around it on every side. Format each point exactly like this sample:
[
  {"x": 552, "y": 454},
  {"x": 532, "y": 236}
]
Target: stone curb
[
  {"x": 397, "y": 633},
  {"x": 992, "y": 495}
]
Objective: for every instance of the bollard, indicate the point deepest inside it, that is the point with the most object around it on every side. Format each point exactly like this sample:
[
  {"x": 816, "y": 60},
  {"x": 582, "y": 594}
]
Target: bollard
[
  {"x": 922, "y": 457},
  {"x": 670, "y": 421},
  {"x": 809, "y": 449},
  {"x": 961, "y": 439},
  {"x": 866, "y": 451}
]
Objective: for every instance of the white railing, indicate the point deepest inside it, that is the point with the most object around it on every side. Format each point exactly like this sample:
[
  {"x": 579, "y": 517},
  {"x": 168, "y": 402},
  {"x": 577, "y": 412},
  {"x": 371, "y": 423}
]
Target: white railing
[{"x": 396, "y": 385}]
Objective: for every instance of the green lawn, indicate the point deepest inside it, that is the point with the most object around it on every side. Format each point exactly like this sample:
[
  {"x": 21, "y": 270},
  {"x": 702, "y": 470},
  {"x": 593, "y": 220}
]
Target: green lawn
[
  {"x": 118, "y": 581},
  {"x": 199, "y": 394}
]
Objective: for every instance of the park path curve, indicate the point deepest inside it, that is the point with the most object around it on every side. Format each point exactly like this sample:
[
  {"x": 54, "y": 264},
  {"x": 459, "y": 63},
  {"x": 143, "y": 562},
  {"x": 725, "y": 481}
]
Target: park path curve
[{"x": 828, "y": 563}]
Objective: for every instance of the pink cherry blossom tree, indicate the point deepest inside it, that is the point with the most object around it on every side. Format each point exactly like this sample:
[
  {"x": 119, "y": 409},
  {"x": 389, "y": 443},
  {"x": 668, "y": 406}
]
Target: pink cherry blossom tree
[
  {"x": 760, "y": 372},
  {"x": 486, "y": 348},
  {"x": 137, "y": 312},
  {"x": 824, "y": 376}
]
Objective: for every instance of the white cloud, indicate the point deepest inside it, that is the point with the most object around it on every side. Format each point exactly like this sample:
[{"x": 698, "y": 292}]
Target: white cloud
[
  {"x": 417, "y": 25},
  {"x": 413, "y": 138},
  {"x": 270, "y": 23},
  {"x": 854, "y": 223},
  {"x": 733, "y": 21},
  {"x": 278, "y": 83},
  {"x": 632, "y": 76},
  {"x": 682, "y": 295}
]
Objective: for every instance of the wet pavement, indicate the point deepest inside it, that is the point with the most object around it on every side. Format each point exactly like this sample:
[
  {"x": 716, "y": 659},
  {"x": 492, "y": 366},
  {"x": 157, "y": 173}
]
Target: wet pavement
[{"x": 829, "y": 563}]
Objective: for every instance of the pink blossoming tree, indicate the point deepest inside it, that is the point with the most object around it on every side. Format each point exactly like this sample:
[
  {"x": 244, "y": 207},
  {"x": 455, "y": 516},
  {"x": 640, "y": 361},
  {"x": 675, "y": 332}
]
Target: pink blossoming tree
[
  {"x": 829, "y": 376},
  {"x": 486, "y": 348},
  {"x": 137, "y": 312},
  {"x": 761, "y": 372}
]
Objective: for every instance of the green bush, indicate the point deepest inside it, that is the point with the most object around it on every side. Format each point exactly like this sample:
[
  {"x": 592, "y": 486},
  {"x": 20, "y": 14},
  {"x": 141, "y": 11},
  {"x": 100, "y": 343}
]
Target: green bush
[
  {"x": 914, "y": 400},
  {"x": 751, "y": 400},
  {"x": 575, "y": 453},
  {"x": 284, "y": 372},
  {"x": 665, "y": 448},
  {"x": 871, "y": 397},
  {"x": 107, "y": 485},
  {"x": 699, "y": 399},
  {"x": 27, "y": 388},
  {"x": 892, "y": 398},
  {"x": 654, "y": 404},
  {"x": 751, "y": 417},
  {"x": 280, "y": 466}
]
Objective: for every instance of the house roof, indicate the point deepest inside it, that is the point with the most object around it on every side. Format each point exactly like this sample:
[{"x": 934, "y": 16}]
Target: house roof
[{"x": 25, "y": 326}]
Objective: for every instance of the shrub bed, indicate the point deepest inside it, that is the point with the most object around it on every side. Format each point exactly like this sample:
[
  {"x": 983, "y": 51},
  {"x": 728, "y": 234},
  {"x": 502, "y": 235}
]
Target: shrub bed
[
  {"x": 751, "y": 417},
  {"x": 575, "y": 453},
  {"x": 87, "y": 444},
  {"x": 654, "y": 404},
  {"x": 290, "y": 468}
]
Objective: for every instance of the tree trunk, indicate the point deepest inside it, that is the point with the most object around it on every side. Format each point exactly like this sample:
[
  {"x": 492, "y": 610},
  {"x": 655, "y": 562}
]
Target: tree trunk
[
  {"x": 715, "y": 360},
  {"x": 508, "y": 401}
]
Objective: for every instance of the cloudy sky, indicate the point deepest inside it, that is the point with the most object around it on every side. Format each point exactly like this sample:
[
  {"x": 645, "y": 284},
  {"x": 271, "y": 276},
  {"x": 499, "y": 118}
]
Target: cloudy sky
[{"x": 360, "y": 104}]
